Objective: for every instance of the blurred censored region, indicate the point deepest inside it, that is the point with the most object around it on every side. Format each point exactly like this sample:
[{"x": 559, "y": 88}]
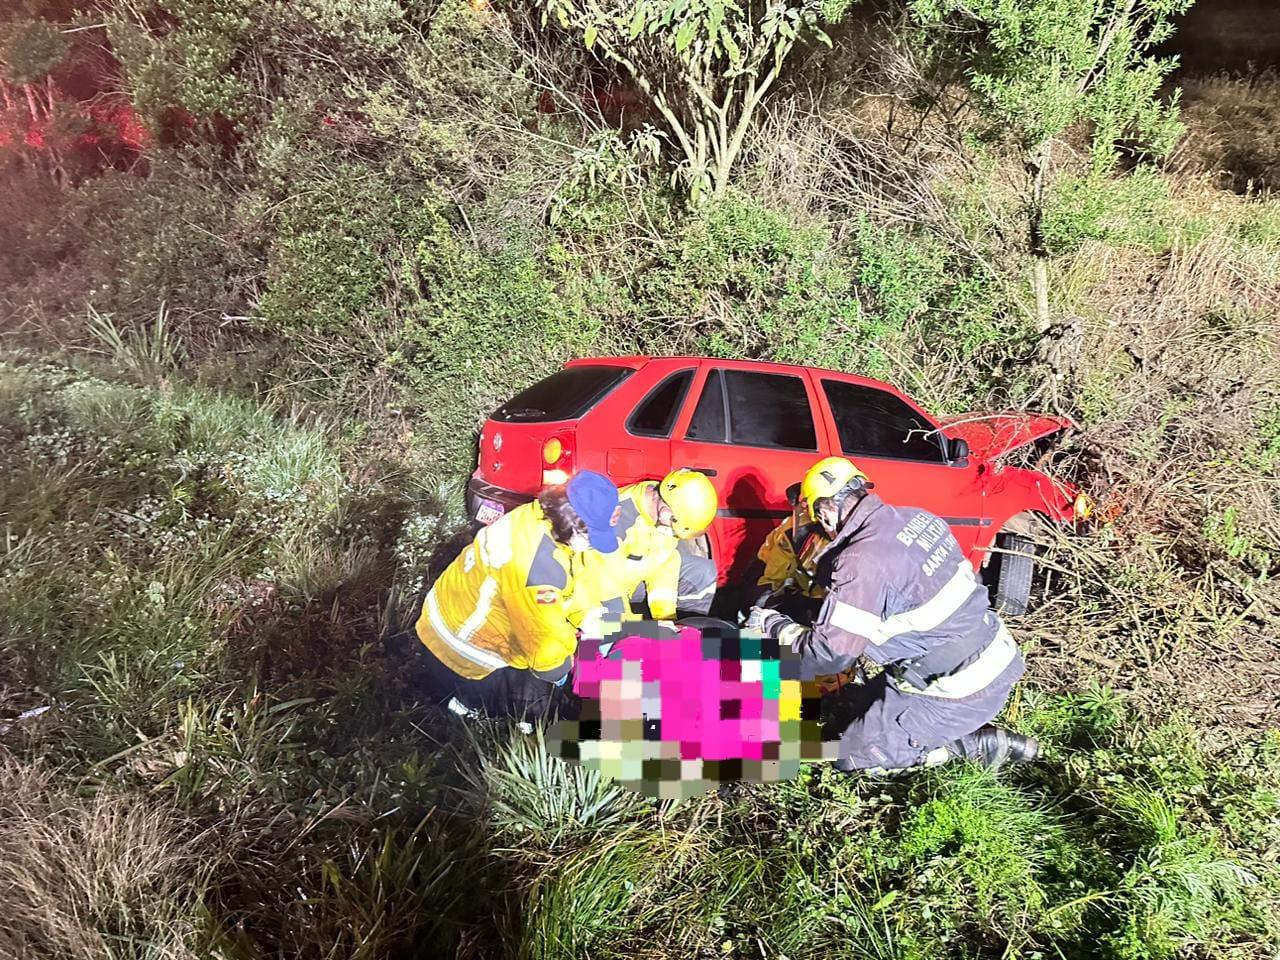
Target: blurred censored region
[{"x": 674, "y": 711}]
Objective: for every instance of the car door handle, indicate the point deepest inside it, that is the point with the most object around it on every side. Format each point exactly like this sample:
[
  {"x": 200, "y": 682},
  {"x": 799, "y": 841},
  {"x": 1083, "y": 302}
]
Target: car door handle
[{"x": 705, "y": 471}]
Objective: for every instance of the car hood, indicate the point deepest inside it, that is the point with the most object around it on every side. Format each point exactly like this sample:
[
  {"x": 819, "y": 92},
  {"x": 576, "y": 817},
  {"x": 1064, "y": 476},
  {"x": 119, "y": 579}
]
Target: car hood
[{"x": 992, "y": 436}]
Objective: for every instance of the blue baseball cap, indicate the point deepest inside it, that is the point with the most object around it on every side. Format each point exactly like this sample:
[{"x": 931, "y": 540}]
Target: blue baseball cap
[{"x": 595, "y": 499}]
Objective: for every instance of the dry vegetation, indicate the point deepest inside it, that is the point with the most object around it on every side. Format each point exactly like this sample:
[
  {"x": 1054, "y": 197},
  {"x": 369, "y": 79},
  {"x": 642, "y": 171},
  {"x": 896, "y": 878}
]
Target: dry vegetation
[
  {"x": 1233, "y": 129},
  {"x": 91, "y": 878},
  {"x": 215, "y": 527}
]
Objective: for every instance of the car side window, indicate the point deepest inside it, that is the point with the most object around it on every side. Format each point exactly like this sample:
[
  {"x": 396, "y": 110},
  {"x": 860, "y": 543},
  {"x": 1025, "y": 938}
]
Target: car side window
[
  {"x": 769, "y": 410},
  {"x": 708, "y": 423},
  {"x": 656, "y": 413},
  {"x": 878, "y": 424}
]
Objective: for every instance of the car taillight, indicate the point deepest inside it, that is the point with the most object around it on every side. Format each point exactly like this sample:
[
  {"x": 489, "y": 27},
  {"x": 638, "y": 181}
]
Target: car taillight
[{"x": 557, "y": 459}]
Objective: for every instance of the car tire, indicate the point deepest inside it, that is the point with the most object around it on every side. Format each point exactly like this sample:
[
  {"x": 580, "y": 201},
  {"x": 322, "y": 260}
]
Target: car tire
[{"x": 1008, "y": 575}]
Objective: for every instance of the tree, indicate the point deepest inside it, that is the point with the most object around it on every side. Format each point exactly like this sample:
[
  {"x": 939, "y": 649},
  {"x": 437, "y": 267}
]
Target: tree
[
  {"x": 1038, "y": 68},
  {"x": 706, "y": 65}
]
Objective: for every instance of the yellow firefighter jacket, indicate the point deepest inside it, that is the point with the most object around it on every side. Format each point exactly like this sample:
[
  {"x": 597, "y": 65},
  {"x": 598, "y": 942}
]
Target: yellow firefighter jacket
[
  {"x": 502, "y": 602},
  {"x": 645, "y": 555},
  {"x": 792, "y": 557}
]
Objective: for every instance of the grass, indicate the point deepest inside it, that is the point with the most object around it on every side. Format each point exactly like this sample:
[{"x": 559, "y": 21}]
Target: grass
[
  {"x": 208, "y": 587},
  {"x": 531, "y": 797},
  {"x": 237, "y": 682},
  {"x": 111, "y": 875}
]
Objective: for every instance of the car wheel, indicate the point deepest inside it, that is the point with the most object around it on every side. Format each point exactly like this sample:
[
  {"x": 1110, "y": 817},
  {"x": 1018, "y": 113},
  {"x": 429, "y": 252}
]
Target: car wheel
[{"x": 1008, "y": 575}]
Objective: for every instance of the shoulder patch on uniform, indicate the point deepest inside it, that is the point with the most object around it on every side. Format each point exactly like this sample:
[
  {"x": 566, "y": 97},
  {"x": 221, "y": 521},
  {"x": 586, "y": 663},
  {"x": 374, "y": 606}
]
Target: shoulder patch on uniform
[
  {"x": 546, "y": 595},
  {"x": 545, "y": 570}
]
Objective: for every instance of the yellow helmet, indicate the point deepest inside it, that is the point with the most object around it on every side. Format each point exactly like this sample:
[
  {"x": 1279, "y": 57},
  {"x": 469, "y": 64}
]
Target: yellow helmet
[
  {"x": 826, "y": 478},
  {"x": 692, "y": 500}
]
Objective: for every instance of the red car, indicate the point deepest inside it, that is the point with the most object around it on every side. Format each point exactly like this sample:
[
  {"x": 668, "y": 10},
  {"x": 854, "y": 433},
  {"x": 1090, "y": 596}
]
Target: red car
[{"x": 754, "y": 428}]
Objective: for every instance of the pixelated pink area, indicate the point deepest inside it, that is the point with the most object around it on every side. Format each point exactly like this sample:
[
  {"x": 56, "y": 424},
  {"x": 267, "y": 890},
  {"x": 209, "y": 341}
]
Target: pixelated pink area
[{"x": 704, "y": 704}]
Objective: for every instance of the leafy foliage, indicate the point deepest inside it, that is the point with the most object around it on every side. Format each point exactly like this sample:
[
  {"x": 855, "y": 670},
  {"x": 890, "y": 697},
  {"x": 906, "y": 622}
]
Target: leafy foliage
[
  {"x": 258, "y": 347},
  {"x": 711, "y": 60}
]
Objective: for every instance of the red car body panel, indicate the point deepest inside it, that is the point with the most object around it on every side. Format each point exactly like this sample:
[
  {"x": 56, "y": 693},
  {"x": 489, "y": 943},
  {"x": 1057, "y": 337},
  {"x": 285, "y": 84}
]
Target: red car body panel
[
  {"x": 991, "y": 437},
  {"x": 976, "y": 496}
]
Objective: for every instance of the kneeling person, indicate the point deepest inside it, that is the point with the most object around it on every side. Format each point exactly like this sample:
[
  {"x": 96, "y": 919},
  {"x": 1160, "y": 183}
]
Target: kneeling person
[
  {"x": 789, "y": 555},
  {"x": 901, "y": 591},
  {"x": 656, "y": 524},
  {"x": 496, "y": 624}
]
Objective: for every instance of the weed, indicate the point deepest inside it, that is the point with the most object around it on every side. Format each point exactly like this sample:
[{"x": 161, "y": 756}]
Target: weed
[
  {"x": 395, "y": 889},
  {"x": 148, "y": 352},
  {"x": 533, "y": 797},
  {"x": 1181, "y": 888},
  {"x": 297, "y": 465},
  {"x": 593, "y": 896},
  {"x": 982, "y": 839}
]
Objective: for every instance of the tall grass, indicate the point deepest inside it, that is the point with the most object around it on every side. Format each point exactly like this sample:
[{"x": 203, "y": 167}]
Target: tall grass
[{"x": 110, "y": 876}]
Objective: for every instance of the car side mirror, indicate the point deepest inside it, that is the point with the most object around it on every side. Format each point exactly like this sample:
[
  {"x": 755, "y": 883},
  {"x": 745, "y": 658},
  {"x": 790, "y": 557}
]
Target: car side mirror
[{"x": 957, "y": 449}]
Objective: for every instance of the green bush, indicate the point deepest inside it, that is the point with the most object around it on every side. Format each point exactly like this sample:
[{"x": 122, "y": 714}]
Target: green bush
[
  {"x": 344, "y": 250},
  {"x": 1130, "y": 211},
  {"x": 175, "y": 237},
  {"x": 484, "y": 328},
  {"x": 30, "y": 49}
]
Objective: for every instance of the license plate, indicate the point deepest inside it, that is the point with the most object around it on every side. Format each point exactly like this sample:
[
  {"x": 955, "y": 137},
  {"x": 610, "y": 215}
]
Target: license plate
[{"x": 489, "y": 511}]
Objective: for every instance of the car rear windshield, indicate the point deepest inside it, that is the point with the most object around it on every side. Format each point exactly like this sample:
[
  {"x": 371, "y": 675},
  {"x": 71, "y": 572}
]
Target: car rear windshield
[{"x": 565, "y": 395}]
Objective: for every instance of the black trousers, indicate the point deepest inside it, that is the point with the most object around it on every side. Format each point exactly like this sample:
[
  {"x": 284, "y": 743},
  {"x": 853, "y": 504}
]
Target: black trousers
[
  {"x": 893, "y": 730},
  {"x": 506, "y": 692}
]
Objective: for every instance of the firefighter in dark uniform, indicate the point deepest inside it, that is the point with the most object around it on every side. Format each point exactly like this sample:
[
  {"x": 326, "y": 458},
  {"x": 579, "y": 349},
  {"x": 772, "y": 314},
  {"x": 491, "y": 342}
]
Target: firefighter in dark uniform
[{"x": 901, "y": 592}]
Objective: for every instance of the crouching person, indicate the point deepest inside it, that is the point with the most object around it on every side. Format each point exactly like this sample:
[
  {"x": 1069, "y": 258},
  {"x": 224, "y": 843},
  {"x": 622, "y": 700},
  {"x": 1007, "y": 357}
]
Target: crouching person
[
  {"x": 495, "y": 624},
  {"x": 657, "y": 522},
  {"x": 901, "y": 592},
  {"x": 789, "y": 560}
]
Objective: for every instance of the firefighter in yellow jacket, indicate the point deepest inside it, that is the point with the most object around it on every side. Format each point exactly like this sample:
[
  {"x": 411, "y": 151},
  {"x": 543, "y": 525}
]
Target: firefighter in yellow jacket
[
  {"x": 790, "y": 558},
  {"x": 496, "y": 623},
  {"x": 655, "y": 563}
]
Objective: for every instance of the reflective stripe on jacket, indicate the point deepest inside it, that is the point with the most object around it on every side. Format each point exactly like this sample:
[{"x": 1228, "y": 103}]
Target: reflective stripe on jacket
[
  {"x": 502, "y": 601},
  {"x": 902, "y": 593},
  {"x": 791, "y": 558}
]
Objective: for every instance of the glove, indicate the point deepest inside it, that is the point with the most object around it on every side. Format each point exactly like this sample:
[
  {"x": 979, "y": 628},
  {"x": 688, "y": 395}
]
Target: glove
[
  {"x": 770, "y": 623},
  {"x": 834, "y": 682}
]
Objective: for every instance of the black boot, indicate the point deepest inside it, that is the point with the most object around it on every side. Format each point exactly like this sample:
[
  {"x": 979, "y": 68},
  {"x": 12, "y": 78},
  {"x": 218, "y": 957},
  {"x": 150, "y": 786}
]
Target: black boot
[{"x": 992, "y": 746}]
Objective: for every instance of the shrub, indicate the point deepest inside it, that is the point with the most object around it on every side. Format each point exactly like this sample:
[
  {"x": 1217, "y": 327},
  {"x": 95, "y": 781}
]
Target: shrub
[
  {"x": 174, "y": 237},
  {"x": 1134, "y": 210},
  {"x": 484, "y": 328},
  {"x": 340, "y": 252}
]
